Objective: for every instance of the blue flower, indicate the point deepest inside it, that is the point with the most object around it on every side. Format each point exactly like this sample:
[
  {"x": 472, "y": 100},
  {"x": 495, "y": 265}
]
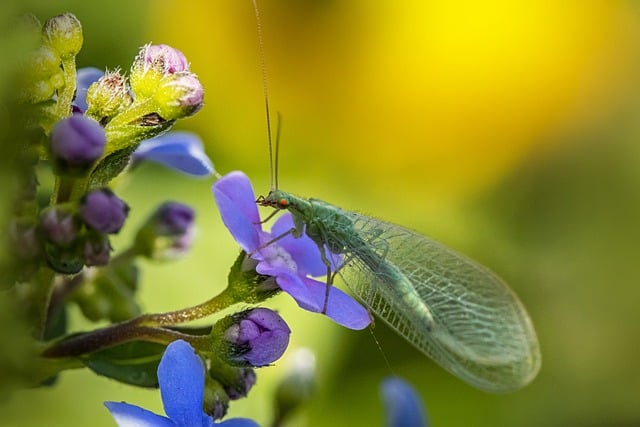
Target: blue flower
[
  {"x": 181, "y": 377},
  {"x": 180, "y": 151},
  {"x": 402, "y": 403},
  {"x": 290, "y": 260}
]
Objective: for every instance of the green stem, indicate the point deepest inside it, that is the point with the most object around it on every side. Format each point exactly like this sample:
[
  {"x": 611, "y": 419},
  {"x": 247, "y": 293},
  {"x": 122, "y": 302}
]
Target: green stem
[
  {"x": 43, "y": 291},
  {"x": 221, "y": 301},
  {"x": 147, "y": 327},
  {"x": 65, "y": 96}
]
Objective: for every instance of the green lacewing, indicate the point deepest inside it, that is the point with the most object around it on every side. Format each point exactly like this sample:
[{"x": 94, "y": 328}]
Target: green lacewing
[{"x": 451, "y": 308}]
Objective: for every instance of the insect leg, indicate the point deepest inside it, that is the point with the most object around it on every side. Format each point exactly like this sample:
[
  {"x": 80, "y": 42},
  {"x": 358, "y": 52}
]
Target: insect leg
[
  {"x": 275, "y": 239},
  {"x": 330, "y": 275}
]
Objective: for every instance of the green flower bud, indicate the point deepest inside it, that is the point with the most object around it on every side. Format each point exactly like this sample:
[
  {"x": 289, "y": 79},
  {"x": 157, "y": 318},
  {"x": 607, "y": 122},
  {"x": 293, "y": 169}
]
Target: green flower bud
[
  {"x": 64, "y": 34},
  {"x": 145, "y": 74},
  {"x": 41, "y": 75},
  {"x": 216, "y": 401},
  {"x": 179, "y": 95},
  {"x": 108, "y": 96}
]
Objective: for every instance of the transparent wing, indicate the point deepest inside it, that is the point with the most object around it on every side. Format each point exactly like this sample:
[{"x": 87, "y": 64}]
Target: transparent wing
[{"x": 454, "y": 310}]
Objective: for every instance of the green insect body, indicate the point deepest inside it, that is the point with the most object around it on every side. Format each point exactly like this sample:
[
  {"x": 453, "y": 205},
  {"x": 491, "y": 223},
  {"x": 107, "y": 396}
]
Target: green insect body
[{"x": 452, "y": 309}]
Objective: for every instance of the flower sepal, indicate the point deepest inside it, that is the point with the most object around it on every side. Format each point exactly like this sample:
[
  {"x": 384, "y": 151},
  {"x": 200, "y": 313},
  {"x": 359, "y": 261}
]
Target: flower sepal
[{"x": 246, "y": 284}]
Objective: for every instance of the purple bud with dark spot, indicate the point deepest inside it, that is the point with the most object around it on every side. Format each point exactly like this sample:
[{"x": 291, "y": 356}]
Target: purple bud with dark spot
[
  {"x": 103, "y": 211},
  {"x": 77, "y": 142},
  {"x": 59, "y": 225},
  {"x": 255, "y": 337}
]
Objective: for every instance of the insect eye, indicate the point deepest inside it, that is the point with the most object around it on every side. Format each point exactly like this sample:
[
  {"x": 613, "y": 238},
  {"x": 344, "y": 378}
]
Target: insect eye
[{"x": 283, "y": 203}]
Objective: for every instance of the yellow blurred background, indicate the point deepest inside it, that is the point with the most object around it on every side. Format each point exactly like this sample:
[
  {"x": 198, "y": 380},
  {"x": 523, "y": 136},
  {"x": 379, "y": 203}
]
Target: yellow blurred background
[{"x": 507, "y": 130}]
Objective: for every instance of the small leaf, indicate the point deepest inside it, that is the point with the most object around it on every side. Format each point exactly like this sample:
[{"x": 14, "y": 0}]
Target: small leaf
[
  {"x": 110, "y": 167},
  {"x": 133, "y": 363}
]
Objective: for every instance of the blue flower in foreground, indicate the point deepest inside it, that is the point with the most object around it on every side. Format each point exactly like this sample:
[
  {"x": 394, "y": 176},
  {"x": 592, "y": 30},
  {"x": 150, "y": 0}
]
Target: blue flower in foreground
[
  {"x": 402, "y": 403},
  {"x": 180, "y": 151},
  {"x": 181, "y": 377},
  {"x": 290, "y": 260}
]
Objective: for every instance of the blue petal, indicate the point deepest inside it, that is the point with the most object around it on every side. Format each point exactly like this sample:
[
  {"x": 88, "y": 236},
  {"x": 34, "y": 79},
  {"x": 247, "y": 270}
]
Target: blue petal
[
  {"x": 402, "y": 403},
  {"x": 84, "y": 78},
  {"x": 238, "y": 422},
  {"x": 177, "y": 150},
  {"x": 341, "y": 307},
  {"x": 181, "y": 378},
  {"x": 296, "y": 287},
  {"x": 127, "y": 415},
  {"x": 302, "y": 249},
  {"x": 237, "y": 204}
]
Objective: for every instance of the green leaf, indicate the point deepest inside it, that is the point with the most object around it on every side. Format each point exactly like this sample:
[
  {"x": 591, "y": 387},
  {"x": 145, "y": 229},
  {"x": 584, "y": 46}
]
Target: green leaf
[
  {"x": 133, "y": 363},
  {"x": 110, "y": 167}
]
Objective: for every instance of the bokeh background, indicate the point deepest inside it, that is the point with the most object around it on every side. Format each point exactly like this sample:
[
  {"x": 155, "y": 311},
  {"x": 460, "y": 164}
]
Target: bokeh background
[{"x": 507, "y": 130}]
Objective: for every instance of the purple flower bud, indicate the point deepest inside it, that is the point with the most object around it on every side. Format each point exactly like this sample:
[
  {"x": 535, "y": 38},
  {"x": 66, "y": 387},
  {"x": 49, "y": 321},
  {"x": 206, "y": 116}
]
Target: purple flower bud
[
  {"x": 168, "y": 233},
  {"x": 64, "y": 34},
  {"x": 103, "y": 211},
  {"x": 255, "y": 337},
  {"x": 59, "y": 225},
  {"x": 77, "y": 141},
  {"x": 174, "y": 218},
  {"x": 171, "y": 60},
  {"x": 179, "y": 95},
  {"x": 97, "y": 249}
]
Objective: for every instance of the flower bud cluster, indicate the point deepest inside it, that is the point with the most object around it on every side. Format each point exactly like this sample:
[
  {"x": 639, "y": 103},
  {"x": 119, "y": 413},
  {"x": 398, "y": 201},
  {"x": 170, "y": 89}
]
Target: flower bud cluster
[{"x": 76, "y": 235}]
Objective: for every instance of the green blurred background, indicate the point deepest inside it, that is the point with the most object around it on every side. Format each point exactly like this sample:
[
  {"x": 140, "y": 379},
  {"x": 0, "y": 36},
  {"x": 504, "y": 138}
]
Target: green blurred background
[{"x": 507, "y": 130}]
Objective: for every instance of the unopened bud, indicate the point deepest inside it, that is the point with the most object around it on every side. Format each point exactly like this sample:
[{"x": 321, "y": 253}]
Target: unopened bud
[
  {"x": 108, "y": 96},
  {"x": 216, "y": 401},
  {"x": 103, "y": 211},
  {"x": 168, "y": 232},
  {"x": 179, "y": 95},
  {"x": 254, "y": 337},
  {"x": 96, "y": 249},
  {"x": 64, "y": 34},
  {"x": 76, "y": 143},
  {"x": 167, "y": 58},
  {"x": 60, "y": 225},
  {"x": 151, "y": 65},
  {"x": 41, "y": 75}
]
